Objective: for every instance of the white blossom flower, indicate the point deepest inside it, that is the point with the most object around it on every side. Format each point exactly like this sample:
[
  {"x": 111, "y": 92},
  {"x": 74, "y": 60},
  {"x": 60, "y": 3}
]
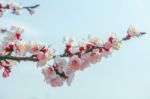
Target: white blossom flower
[
  {"x": 16, "y": 29},
  {"x": 14, "y": 5},
  {"x": 68, "y": 40},
  {"x": 115, "y": 41},
  {"x": 21, "y": 48},
  {"x": 116, "y": 44},
  {"x": 50, "y": 53},
  {"x": 35, "y": 47},
  {"x": 95, "y": 40},
  {"x": 132, "y": 31}
]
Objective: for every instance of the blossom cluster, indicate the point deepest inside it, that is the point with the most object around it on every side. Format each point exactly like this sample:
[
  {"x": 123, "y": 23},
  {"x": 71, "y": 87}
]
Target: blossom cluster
[
  {"x": 79, "y": 58},
  {"x": 15, "y": 8},
  {"x": 80, "y": 55},
  {"x": 76, "y": 57},
  {"x": 12, "y": 45}
]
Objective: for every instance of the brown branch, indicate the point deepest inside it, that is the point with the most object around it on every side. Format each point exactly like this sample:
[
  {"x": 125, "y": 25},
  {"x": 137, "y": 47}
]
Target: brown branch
[
  {"x": 33, "y": 58},
  {"x": 25, "y": 7},
  {"x": 31, "y": 7},
  {"x": 15, "y": 58}
]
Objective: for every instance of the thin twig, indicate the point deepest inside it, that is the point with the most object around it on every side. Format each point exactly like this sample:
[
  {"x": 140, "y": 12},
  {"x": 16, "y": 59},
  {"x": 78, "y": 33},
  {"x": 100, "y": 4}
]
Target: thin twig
[
  {"x": 31, "y": 7},
  {"x": 25, "y": 7}
]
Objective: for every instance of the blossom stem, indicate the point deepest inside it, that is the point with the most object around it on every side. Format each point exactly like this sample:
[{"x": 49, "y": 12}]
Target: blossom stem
[{"x": 32, "y": 58}]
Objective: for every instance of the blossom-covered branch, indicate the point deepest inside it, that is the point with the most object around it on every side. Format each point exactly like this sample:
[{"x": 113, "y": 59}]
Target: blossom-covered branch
[
  {"x": 76, "y": 56},
  {"x": 16, "y": 8}
]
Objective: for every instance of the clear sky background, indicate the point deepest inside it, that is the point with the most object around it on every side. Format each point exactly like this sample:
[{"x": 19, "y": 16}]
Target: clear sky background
[{"x": 125, "y": 75}]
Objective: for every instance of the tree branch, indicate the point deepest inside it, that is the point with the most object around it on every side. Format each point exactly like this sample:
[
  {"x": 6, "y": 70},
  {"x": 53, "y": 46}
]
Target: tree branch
[
  {"x": 15, "y": 58},
  {"x": 25, "y": 7},
  {"x": 33, "y": 58}
]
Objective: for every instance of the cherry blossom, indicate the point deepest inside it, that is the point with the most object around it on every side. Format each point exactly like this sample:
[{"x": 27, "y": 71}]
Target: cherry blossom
[
  {"x": 95, "y": 40},
  {"x": 75, "y": 63},
  {"x": 57, "y": 69},
  {"x": 132, "y": 31},
  {"x": 21, "y": 48},
  {"x": 15, "y": 8},
  {"x": 51, "y": 77},
  {"x": 115, "y": 41},
  {"x": 94, "y": 56}
]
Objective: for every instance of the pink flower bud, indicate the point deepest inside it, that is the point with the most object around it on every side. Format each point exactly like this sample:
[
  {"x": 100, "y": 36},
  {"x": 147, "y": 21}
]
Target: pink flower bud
[
  {"x": 107, "y": 47},
  {"x": 110, "y": 39},
  {"x": 6, "y": 73},
  {"x": 68, "y": 46},
  {"x": 81, "y": 49},
  {"x": 17, "y": 36}
]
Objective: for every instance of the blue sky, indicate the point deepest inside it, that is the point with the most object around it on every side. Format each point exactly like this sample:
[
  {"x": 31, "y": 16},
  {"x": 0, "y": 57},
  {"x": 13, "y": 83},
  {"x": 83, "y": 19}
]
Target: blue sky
[{"x": 125, "y": 75}]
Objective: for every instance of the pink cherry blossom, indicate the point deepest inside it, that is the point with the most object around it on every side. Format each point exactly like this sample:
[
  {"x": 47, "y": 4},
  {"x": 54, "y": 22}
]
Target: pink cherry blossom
[
  {"x": 94, "y": 56},
  {"x": 48, "y": 72},
  {"x": 75, "y": 63},
  {"x": 85, "y": 61},
  {"x": 55, "y": 82},
  {"x": 51, "y": 77},
  {"x": 41, "y": 57},
  {"x": 60, "y": 64},
  {"x": 107, "y": 46}
]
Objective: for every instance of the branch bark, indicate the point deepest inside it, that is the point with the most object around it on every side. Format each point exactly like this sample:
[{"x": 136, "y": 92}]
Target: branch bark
[{"x": 15, "y": 58}]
